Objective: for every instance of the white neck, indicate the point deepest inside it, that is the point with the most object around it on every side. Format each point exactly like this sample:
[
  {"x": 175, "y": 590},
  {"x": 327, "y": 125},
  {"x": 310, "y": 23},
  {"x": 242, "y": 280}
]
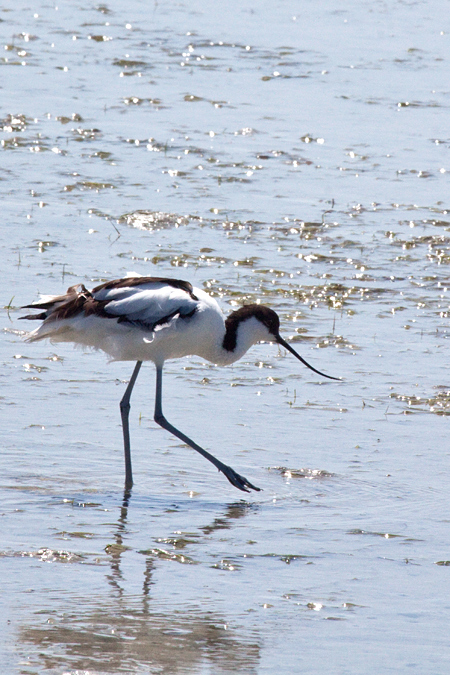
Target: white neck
[{"x": 248, "y": 333}]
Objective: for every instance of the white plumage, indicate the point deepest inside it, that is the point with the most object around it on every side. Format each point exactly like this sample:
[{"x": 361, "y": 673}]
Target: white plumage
[{"x": 154, "y": 319}]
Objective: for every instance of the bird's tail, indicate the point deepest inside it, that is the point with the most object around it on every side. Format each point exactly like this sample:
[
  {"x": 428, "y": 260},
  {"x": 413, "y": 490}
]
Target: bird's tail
[{"x": 55, "y": 307}]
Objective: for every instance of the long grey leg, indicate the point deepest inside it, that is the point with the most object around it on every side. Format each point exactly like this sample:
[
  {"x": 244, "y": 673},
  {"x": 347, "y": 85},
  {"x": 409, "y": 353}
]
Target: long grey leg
[
  {"x": 125, "y": 413},
  {"x": 235, "y": 479}
]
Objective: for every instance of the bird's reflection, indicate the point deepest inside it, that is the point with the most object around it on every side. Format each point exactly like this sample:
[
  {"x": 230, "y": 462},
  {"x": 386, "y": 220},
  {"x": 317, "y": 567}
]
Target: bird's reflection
[
  {"x": 108, "y": 632},
  {"x": 115, "y": 551},
  {"x": 233, "y": 512}
]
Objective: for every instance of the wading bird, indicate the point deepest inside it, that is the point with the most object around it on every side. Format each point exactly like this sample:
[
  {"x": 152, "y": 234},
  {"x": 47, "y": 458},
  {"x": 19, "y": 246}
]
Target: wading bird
[{"x": 154, "y": 319}]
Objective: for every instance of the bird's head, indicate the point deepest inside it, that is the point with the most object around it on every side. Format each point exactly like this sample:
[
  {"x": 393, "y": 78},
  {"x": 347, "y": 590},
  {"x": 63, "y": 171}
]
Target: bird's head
[{"x": 266, "y": 328}]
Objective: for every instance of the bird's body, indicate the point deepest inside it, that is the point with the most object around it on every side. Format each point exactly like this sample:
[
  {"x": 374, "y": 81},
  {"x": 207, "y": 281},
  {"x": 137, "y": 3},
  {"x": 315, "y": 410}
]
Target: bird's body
[
  {"x": 154, "y": 319},
  {"x": 143, "y": 319}
]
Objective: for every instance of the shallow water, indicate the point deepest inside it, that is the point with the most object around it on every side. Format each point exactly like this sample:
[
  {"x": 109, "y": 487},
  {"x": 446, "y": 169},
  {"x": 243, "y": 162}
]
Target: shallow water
[{"x": 296, "y": 155}]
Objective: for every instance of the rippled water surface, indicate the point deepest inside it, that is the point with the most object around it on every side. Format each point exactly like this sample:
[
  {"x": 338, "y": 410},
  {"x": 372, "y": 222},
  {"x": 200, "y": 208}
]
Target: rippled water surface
[{"x": 295, "y": 154}]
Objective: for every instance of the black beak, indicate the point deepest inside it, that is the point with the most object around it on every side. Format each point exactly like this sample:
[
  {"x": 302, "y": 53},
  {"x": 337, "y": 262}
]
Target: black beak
[{"x": 287, "y": 346}]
